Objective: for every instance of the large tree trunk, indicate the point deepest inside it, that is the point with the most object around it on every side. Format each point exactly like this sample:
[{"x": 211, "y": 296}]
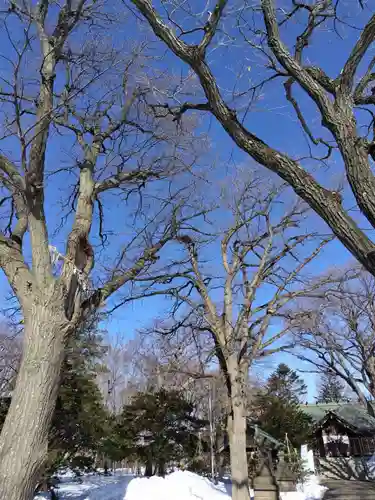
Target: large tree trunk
[
  {"x": 237, "y": 447},
  {"x": 24, "y": 437},
  {"x": 161, "y": 468},
  {"x": 370, "y": 370},
  {"x": 149, "y": 468}
]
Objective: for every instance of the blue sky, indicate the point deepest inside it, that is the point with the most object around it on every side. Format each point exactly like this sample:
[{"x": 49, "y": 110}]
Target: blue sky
[{"x": 271, "y": 118}]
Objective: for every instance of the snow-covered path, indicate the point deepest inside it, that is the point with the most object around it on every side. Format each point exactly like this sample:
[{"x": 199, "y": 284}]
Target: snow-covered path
[{"x": 94, "y": 488}]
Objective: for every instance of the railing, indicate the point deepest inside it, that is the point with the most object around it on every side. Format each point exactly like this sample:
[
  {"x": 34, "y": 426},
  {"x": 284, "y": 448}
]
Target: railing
[
  {"x": 362, "y": 446},
  {"x": 357, "y": 447}
]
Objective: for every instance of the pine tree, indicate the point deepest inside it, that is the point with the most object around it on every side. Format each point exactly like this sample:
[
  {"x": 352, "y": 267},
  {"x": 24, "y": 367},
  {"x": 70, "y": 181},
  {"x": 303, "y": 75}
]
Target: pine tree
[
  {"x": 286, "y": 385},
  {"x": 277, "y": 407},
  {"x": 80, "y": 416},
  {"x": 280, "y": 418},
  {"x": 158, "y": 428},
  {"x": 331, "y": 389}
]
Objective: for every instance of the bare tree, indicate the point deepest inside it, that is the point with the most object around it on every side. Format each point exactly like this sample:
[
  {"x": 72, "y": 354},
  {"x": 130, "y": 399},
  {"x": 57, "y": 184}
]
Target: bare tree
[
  {"x": 266, "y": 45},
  {"x": 181, "y": 357},
  {"x": 339, "y": 337},
  {"x": 239, "y": 272},
  {"x": 116, "y": 370},
  {"x": 75, "y": 131},
  {"x": 149, "y": 362}
]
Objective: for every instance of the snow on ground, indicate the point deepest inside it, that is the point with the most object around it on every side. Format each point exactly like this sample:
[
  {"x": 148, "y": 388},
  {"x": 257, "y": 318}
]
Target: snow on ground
[
  {"x": 92, "y": 487},
  {"x": 180, "y": 485},
  {"x": 309, "y": 490}
]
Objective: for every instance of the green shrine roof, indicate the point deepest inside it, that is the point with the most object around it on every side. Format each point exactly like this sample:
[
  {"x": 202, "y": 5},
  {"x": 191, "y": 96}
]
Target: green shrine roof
[{"x": 355, "y": 416}]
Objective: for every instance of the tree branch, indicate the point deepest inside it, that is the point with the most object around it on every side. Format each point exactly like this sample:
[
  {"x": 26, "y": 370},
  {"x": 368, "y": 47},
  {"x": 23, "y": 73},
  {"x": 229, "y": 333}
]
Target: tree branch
[
  {"x": 51, "y": 54},
  {"x": 369, "y": 77},
  {"x": 134, "y": 177},
  {"x": 298, "y": 72},
  {"x": 16, "y": 270},
  {"x": 212, "y": 316},
  {"x": 319, "y": 198},
  {"x": 366, "y": 39},
  {"x": 211, "y": 26}
]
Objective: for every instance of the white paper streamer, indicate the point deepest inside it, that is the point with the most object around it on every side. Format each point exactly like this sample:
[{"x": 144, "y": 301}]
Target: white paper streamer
[{"x": 83, "y": 280}]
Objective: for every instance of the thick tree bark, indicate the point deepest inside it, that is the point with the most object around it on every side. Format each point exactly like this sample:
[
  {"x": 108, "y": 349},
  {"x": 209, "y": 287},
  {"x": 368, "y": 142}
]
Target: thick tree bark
[
  {"x": 148, "y": 470},
  {"x": 238, "y": 458},
  {"x": 369, "y": 367},
  {"x": 24, "y": 437},
  {"x": 237, "y": 444},
  {"x": 161, "y": 468}
]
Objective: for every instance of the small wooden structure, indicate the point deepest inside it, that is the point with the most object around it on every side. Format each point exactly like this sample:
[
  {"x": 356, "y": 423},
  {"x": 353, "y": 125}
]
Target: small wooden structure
[
  {"x": 269, "y": 473},
  {"x": 256, "y": 440}
]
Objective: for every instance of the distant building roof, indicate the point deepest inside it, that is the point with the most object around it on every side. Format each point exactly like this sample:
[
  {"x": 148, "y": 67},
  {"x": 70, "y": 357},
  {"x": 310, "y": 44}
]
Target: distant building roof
[{"x": 353, "y": 415}]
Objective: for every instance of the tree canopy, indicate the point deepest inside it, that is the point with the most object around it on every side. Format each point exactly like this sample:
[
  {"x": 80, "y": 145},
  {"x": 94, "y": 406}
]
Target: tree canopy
[
  {"x": 278, "y": 410},
  {"x": 286, "y": 385},
  {"x": 159, "y": 428},
  {"x": 331, "y": 389}
]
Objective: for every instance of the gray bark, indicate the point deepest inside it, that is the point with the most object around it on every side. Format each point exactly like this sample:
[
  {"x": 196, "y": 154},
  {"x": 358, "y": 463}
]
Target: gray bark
[
  {"x": 238, "y": 457},
  {"x": 24, "y": 438}
]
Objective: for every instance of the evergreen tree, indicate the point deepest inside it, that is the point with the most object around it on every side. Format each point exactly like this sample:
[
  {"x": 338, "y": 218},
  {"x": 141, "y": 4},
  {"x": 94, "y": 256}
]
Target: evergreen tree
[
  {"x": 280, "y": 418},
  {"x": 286, "y": 385},
  {"x": 278, "y": 411},
  {"x": 80, "y": 418},
  {"x": 158, "y": 428},
  {"x": 331, "y": 389}
]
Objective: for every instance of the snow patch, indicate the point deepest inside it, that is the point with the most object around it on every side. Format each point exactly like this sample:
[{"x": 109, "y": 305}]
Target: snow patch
[
  {"x": 92, "y": 487},
  {"x": 309, "y": 490},
  {"x": 181, "y": 485},
  {"x": 371, "y": 467},
  {"x": 66, "y": 474}
]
